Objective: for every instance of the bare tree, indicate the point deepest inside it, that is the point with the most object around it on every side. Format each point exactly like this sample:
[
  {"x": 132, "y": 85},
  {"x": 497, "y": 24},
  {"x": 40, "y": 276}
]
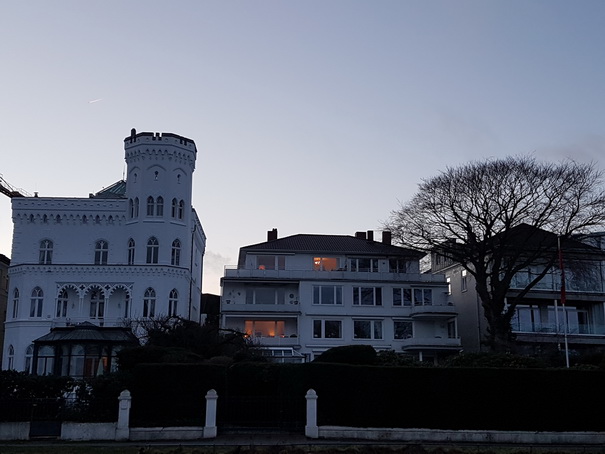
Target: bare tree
[{"x": 481, "y": 215}]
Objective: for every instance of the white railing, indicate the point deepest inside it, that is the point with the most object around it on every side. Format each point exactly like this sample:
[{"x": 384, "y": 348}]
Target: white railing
[{"x": 234, "y": 272}]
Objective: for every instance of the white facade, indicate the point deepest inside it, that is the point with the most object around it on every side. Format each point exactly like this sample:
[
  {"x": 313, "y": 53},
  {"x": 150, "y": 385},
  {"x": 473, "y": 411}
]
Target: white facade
[
  {"x": 131, "y": 251},
  {"x": 301, "y": 295}
]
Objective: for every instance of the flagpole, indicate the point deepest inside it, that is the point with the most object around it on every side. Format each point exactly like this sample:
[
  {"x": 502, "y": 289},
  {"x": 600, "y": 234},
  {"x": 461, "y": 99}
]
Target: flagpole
[{"x": 562, "y": 270}]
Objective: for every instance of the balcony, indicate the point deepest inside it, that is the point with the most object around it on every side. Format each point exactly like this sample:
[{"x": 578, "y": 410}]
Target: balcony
[
  {"x": 276, "y": 341},
  {"x": 254, "y": 308},
  {"x": 435, "y": 343},
  {"x": 232, "y": 272},
  {"x": 560, "y": 329},
  {"x": 433, "y": 310}
]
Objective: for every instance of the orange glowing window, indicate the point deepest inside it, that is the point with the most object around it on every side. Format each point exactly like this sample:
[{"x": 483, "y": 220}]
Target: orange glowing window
[{"x": 325, "y": 263}]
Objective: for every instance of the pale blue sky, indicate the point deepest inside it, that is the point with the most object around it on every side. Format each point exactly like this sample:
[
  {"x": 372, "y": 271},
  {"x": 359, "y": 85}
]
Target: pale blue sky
[{"x": 309, "y": 116}]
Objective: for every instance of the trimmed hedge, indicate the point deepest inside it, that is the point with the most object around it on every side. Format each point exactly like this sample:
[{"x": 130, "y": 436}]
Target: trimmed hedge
[{"x": 372, "y": 396}]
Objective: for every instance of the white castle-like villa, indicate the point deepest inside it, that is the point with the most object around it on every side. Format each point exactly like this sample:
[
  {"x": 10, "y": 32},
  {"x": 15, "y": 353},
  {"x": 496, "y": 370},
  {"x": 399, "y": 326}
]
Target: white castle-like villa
[{"x": 83, "y": 268}]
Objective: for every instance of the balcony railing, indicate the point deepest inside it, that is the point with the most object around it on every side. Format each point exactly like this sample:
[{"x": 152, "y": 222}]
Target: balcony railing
[
  {"x": 433, "y": 309},
  {"x": 415, "y": 343},
  {"x": 240, "y": 273},
  {"x": 553, "y": 328}
]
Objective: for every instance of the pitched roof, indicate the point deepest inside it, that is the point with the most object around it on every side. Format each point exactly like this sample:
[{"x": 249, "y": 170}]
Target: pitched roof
[
  {"x": 115, "y": 191},
  {"x": 329, "y": 244},
  {"x": 88, "y": 332}
]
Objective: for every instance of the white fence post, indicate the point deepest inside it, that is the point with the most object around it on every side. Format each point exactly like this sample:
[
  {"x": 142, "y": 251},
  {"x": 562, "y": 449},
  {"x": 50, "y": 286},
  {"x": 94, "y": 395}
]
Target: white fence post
[
  {"x": 210, "y": 426},
  {"x": 123, "y": 429},
  {"x": 311, "y": 429}
]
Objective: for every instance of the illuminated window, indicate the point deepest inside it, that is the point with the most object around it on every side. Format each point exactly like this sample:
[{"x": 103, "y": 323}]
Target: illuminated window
[
  {"x": 265, "y": 328},
  {"x": 463, "y": 283},
  {"x": 367, "y": 329},
  {"x": 325, "y": 263},
  {"x": 327, "y": 294},
  {"x": 367, "y": 296},
  {"x": 271, "y": 262},
  {"x": 327, "y": 329}
]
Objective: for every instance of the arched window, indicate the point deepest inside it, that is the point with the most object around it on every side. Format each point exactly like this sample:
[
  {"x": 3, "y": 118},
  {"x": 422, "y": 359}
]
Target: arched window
[
  {"x": 181, "y": 209},
  {"x": 10, "y": 365},
  {"x": 159, "y": 206},
  {"x": 153, "y": 248},
  {"x": 37, "y": 301},
  {"x": 97, "y": 304},
  {"x": 175, "y": 207},
  {"x": 16, "y": 303},
  {"x": 150, "y": 206},
  {"x": 136, "y": 207},
  {"x": 58, "y": 219},
  {"x": 172, "y": 302},
  {"x": 46, "y": 252},
  {"x": 62, "y": 304},
  {"x": 131, "y": 208},
  {"x": 29, "y": 355},
  {"x": 101, "y": 252},
  {"x": 45, "y": 219},
  {"x": 131, "y": 251},
  {"x": 149, "y": 303},
  {"x": 175, "y": 256}
]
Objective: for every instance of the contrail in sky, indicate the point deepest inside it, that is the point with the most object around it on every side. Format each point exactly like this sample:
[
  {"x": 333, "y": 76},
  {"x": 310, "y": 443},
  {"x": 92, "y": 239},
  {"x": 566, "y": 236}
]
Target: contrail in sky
[{"x": 95, "y": 100}]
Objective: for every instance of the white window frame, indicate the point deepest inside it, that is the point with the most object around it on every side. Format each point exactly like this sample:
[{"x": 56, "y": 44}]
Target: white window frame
[
  {"x": 375, "y": 328},
  {"x": 360, "y": 293},
  {"x": 319, "y": 328},
  {"x": 321, "y": 291}
]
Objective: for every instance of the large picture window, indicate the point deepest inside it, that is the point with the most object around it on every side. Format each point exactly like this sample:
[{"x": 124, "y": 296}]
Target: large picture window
[
  {"x": 367, "y": 329},
  {"x": 403, "y": 329},
  {"x": 327, "y": 329},
  {"x": 327, "y": 294},
  {"x": 402, "y": 296},
  {"x": 364, "y": 264},
  {"x": 326, "y": 263},
  {"x": 367, "y": 296},
  {"x": 271, "y": 262}
]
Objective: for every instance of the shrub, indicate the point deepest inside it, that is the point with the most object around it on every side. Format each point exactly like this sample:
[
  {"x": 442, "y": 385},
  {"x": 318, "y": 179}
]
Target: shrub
[{"x": 349, "y": 354}]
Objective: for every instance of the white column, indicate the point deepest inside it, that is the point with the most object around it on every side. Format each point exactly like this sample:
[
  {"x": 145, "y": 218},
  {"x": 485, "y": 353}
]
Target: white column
[
  {"x": 210, "y": 426},
  {"x": 311, "y": 429},
  {"x": 122, "y": 428}
]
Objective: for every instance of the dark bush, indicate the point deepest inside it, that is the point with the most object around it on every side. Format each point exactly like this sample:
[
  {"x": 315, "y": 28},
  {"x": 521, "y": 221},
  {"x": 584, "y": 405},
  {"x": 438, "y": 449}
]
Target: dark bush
[{"x": 349, "y": 354}]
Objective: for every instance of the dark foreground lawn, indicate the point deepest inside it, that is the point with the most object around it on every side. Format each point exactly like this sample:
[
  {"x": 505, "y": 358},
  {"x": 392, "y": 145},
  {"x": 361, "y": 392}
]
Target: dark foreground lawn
[{"x": 282, "y": 449}]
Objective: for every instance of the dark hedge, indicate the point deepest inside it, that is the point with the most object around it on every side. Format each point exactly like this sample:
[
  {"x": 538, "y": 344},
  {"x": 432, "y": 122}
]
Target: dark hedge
[{"x": 373, "y": 396}]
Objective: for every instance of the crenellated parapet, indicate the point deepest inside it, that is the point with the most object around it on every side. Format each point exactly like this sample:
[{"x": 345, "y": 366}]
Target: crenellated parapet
[{"x": 160, "y": 146}]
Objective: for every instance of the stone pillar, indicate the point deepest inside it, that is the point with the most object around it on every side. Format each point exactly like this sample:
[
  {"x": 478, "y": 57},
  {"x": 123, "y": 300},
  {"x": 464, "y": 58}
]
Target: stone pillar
[
  {"x": 311, "y": 429},
  {"x": 210, "y": 426},
  {"x": 122, "y": 428}
]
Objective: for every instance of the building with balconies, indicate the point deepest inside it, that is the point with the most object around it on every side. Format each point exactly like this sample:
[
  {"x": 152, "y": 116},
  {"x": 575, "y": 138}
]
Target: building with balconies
[
  {"x": 83, "y": 268},
  {"x": 548, "y": 317},
  {"x": 300, "y": 295}
]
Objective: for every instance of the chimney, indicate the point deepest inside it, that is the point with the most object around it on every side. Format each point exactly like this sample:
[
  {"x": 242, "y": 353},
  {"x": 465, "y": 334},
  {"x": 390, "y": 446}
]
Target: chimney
[
  {"x": 360, "y": 235},
  {"x": 272, "y": 235},
  {"x": 370, "y": 235},
  {"x": 386, "y": 237}
]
